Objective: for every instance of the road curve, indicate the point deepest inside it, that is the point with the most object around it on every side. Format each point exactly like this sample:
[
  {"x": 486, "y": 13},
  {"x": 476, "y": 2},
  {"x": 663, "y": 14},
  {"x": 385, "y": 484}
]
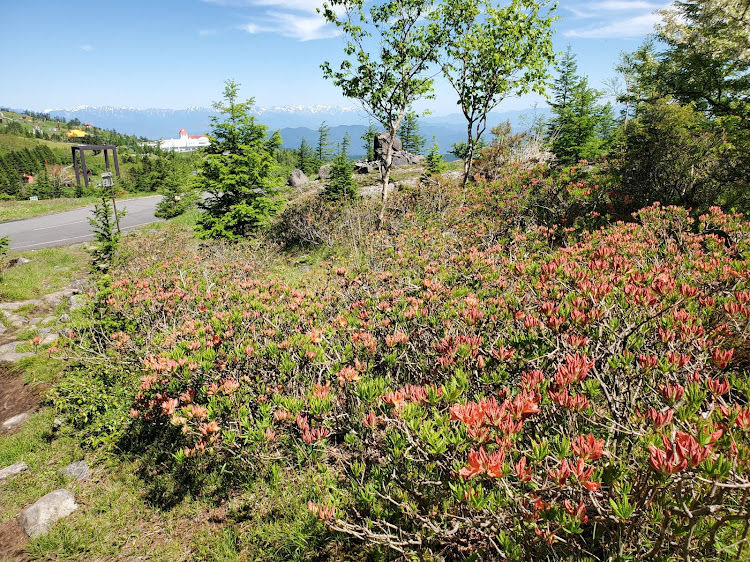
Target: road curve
[{"x": 71, "y": 227}]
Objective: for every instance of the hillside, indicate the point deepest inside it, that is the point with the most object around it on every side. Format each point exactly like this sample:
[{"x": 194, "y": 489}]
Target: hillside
[{"x": 473, "y": 377}]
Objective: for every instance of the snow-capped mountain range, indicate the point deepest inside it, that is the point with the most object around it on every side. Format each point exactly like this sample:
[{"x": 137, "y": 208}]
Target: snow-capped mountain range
[
  {"x": 156, "y": 123},
  {"x": 294, "y": 122}
]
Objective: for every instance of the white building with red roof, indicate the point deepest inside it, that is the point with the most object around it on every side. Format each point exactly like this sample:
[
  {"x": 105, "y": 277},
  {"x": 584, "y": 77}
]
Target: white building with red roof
[{"x": 186, "y": 143}]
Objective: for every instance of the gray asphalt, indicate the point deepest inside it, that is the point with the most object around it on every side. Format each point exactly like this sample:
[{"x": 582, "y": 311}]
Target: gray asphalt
[{"x": 71, "y": 227}]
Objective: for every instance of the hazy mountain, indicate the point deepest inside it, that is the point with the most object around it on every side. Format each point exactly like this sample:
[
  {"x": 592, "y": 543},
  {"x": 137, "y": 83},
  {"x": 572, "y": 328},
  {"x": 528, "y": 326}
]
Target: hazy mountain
[{"x": 294, "y": 122}]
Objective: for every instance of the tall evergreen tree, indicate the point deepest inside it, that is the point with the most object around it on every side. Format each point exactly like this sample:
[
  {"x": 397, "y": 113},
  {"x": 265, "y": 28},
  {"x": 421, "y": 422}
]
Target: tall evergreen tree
[
  {"x": 240, "y": 172},
  {"x": 346, "y": 143},
  {"x": 580, "y": 127},
  {"x": 411, "y": 140},
  {"x": 306, "y": 160},
  {"x": 323, "y": 151}
]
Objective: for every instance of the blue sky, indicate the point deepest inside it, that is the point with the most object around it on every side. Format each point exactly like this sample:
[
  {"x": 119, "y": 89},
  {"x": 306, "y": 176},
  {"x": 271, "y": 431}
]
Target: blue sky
[{"x": 178, "y": 53}]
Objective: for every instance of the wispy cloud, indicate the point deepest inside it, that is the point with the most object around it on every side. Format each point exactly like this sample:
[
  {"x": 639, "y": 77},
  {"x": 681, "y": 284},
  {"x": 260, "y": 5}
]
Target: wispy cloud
[
  {"x": 296, "y": 19},
  {"x": 206, "y": 32},
  {"x": 616, "y": 18},
  {"x": 87, "y": 48},
  {"x": 295, "y": 26},
  {"x": 626, "y": 28}
]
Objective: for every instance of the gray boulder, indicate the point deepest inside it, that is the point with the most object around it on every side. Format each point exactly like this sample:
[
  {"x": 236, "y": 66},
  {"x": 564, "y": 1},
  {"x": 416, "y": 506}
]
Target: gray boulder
[
  {"x": 297, "y": 179},
  {"x": 78, "y": 470},
  {"x": 380, "y": 145},
  {"x": 37, "y": 519},
  {"x": 325, "y": 172},
  {"x": 403, "y": 158},
  {"x": 13, "y": 470}
]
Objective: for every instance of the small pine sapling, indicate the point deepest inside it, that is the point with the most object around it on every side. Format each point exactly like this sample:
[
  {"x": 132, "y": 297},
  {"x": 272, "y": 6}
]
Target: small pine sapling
[{"x": 341, "y": 184}]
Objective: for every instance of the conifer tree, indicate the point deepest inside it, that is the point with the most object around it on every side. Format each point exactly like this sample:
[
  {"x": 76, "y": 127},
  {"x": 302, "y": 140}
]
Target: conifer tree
[
  {"x": 323, "y": 151},
  {"x": 240, "y": 173},
  {"x": 369, "y": 138},
  {"x": 580, "y": 127},
  {"x": 306, "y": 160},
  {"x": 341, "y": 184},
  {"x": 411, "y": 140}
]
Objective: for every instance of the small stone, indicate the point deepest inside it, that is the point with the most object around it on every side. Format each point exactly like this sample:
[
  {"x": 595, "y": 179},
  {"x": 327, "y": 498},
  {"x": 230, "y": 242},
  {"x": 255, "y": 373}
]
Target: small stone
[
  {"x": 64, "y": 318},
  {"x": 37, "y": 519},
  {"x": 78, "y": 470},
  {"x": 57, "y": 423},
  {"x": 304, "y": 269},
  {"x": 22, "y": 261},
  {"x": 13, "y": 470},
  {"x": 10, "y": 347},
  {"x": 77, "y": 301},
  {"x": 49, "y": 320},
  {"x": 16, "y": 321},
  {"x": 49, "y": 338},
  {"x": 16, "y": 420}
]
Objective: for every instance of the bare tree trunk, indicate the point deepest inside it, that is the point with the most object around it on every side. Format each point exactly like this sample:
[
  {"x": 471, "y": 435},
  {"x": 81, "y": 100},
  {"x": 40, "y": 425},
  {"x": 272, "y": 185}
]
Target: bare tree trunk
[
  {"x": 385, "y": 176},
  {"x": 469, "y": 155}
]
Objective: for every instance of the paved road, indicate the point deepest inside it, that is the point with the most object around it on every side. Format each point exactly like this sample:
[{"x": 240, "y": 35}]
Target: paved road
[{"x": 71, "y": 227}]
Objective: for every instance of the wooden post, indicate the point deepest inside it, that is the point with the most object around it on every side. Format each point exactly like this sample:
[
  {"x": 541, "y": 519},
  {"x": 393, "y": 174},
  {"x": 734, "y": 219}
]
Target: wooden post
[
  {"x": 84, "y": 169},
  {"x": 75, "y": 166}
]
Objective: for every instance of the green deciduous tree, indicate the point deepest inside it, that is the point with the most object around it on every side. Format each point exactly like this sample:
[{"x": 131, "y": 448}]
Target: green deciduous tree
[
  {"x": 239, "y": 172},
  {"x": 492, "y": 52},
  {"x": 389, "y": 49}
]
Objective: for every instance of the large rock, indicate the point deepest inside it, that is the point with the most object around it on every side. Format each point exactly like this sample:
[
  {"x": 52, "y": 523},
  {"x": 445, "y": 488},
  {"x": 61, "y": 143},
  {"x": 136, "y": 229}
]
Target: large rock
[
  {"x": 325, "y": 172},
  {"x": 403, "y": 158},
  {"x": 78, "y": 470},
  {"x": 37, "y": 519},
  {"x": 13, "y": 470},
  {"x": 380, "y": 145},
  {"x": 297, "y": 179}
]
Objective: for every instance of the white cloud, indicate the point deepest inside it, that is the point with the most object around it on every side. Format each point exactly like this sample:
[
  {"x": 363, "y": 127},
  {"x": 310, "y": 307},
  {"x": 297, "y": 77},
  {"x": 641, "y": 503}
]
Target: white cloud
[
  {"x": 302, "y": 28},
  {"x": 636, "y": 26},
  {"x": 206, "y": 32},
  {"x": 87, "y": 48},
  {"x": 297, "y": 19}
]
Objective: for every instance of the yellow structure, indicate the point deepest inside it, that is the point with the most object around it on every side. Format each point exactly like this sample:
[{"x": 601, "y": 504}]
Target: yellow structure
[{"x": 75, "y": 133}]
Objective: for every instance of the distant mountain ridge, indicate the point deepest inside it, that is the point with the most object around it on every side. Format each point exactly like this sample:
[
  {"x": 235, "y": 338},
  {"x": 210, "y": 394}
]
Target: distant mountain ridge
[{"x": 293, "y": 122}]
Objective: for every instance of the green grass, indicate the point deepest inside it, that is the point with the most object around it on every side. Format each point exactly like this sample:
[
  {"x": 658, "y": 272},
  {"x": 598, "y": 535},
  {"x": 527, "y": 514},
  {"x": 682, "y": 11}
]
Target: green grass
[
  {"x": 51, "y": 269},
  {"x": 16, "y": 210}
]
